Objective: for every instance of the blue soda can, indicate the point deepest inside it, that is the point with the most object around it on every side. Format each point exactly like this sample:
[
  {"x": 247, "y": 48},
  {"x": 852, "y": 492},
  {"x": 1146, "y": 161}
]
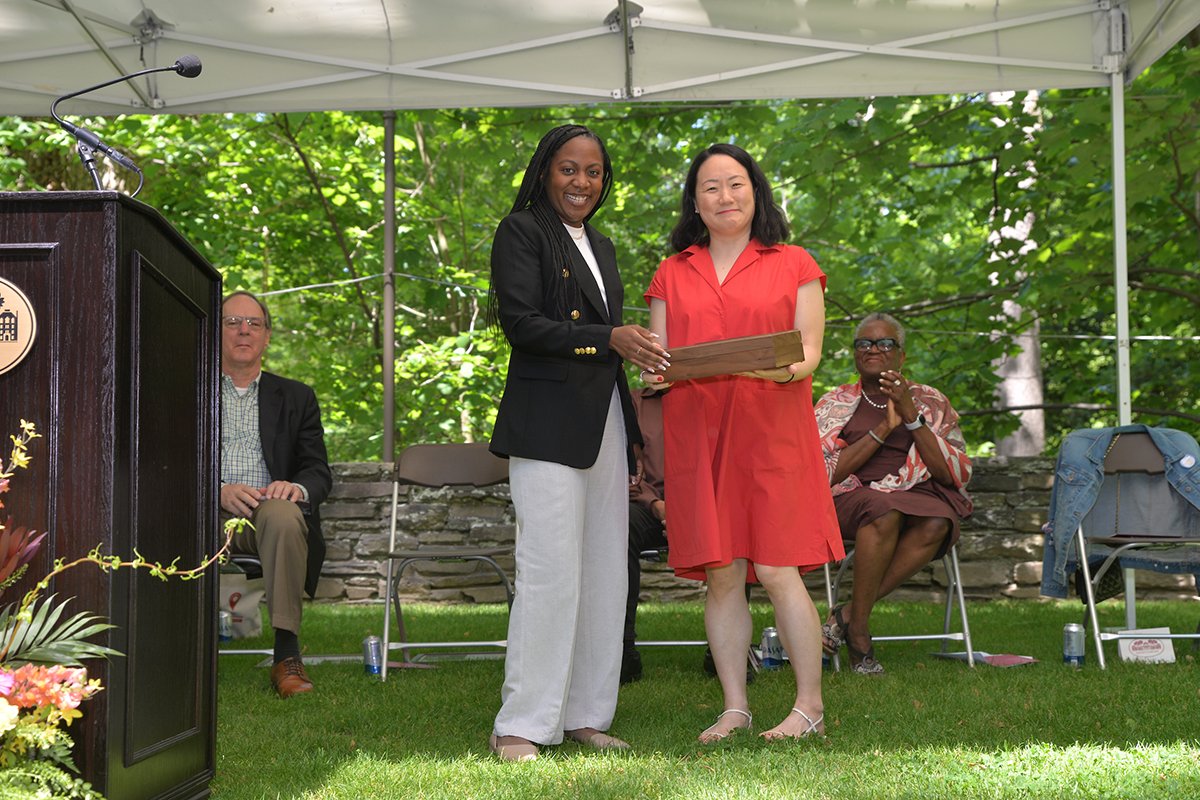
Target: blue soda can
[
  {"x": 373, "y": 656},
  {"x": 772, "y": 649},
  {"x": 224, "y": 626}
]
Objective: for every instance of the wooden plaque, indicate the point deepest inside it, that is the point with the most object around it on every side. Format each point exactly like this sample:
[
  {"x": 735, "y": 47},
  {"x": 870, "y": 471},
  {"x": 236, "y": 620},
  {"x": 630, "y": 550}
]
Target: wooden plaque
[{"x": 728, "y": 356}]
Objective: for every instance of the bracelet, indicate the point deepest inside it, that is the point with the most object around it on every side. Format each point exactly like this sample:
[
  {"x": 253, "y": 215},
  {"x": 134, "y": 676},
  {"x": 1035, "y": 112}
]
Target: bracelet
[
  {"x": 789, "y": 380},
  {"x": 875, "y": 436}
]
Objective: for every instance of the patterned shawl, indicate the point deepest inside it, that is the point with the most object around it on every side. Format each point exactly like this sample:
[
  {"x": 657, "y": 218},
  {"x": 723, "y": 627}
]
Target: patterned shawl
[{"x": 837, "y": 406}]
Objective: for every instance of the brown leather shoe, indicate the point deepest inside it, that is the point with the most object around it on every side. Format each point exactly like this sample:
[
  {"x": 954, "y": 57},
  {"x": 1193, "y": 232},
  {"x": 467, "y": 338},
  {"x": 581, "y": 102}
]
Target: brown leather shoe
[{"x": 288, "y": 678}]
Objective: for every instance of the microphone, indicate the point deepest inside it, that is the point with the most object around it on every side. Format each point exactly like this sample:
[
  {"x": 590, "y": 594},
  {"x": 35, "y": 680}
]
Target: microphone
[{"x": 188, "y": 66}]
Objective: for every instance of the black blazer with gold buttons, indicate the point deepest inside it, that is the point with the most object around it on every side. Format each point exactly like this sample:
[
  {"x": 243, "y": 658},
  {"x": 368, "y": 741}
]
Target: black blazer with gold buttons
[{"x": 561, "y": 372}]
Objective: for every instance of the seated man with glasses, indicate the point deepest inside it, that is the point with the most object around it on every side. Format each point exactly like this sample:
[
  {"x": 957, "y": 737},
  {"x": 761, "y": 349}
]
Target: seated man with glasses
[
  {"x": 275, "y": 472},
  {"x": 899, "y": 469}
]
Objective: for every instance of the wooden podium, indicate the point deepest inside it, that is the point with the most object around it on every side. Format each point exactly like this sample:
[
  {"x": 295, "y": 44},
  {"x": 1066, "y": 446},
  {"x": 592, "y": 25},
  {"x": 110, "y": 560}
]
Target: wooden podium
[{"x": 121, "y": 381}]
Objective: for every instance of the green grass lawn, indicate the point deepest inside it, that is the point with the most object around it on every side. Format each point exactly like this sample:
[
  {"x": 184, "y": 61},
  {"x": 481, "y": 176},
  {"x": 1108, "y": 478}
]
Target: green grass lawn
[{"x": 930, "y": 728}]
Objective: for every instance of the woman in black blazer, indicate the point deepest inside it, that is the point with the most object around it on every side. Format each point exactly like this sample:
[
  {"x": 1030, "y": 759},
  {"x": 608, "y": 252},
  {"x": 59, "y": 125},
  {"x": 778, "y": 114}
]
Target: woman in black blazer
[{"x": 566, "y": 422}]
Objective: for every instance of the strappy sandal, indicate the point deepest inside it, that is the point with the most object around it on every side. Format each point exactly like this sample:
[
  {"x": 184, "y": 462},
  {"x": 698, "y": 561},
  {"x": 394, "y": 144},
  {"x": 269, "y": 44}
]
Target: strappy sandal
[
  {"x": 811, "y": 730},
  {"x": 709, "y": 736},
  {"x": 863, "y": 663},
  {"x": 833, "y": 632}
]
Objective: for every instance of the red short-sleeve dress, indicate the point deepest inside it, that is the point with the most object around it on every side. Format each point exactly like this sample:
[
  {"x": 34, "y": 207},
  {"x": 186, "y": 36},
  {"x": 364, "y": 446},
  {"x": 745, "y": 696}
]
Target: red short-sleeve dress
[{"x": 744, "y": 470}]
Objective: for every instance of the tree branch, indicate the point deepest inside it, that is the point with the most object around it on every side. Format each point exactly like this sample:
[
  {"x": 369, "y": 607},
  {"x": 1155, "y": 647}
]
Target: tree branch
[
  {"x": 1157, "y": 412},
  {"x": 282, "y": 124},
  {"x": 1191, "y": 297}
]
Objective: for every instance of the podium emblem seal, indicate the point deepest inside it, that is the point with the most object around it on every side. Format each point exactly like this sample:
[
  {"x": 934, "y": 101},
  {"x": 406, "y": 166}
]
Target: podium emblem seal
[{"x": 18, "y": 326}]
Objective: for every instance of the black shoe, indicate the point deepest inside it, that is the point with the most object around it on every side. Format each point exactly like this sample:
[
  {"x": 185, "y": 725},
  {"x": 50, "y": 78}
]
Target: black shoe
[
  {"x": 631, "y": 666},
  {"x": 710, "y": 668}
]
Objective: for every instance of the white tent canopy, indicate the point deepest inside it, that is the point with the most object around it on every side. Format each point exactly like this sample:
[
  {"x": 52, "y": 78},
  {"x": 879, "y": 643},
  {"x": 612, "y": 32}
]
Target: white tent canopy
[
  {"x": 296, "y": 55},
  {"x": 302, "y": 55}
]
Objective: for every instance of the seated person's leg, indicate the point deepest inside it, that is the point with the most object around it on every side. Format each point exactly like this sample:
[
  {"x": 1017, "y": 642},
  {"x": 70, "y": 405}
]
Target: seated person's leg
[
  {"x": 887, "y": 553},
  {"x": 281, "y": 536},
  {"x": 874, "y": 547},
  {"x": 920, "y": 542}
]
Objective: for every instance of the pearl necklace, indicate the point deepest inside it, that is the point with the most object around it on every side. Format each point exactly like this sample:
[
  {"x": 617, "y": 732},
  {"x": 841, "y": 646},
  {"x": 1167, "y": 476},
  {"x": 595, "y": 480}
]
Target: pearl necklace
[
  {"x": 571, "y": 232},
  {"x": 872, "y": 403}
]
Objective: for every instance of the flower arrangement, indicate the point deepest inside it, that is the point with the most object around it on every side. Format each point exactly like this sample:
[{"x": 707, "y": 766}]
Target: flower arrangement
[{"x": 42, "y": 680}]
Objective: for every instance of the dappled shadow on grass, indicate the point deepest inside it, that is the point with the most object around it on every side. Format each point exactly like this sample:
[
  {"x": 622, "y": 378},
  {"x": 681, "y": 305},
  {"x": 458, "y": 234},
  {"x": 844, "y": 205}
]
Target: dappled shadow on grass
[{"x": 424, "y": 732}]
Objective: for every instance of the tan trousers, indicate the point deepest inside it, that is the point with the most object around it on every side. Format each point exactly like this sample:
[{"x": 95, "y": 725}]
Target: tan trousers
[{"x": 280, "y": 540}]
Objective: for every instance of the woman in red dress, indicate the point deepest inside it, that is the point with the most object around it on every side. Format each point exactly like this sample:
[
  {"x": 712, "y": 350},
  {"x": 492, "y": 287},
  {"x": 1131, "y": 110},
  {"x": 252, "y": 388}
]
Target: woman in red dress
[{"x": 750, "y": 500}]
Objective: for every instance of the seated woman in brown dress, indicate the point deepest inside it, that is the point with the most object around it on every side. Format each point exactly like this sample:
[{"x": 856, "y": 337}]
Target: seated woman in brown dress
[{"x": 899, "y": 469}]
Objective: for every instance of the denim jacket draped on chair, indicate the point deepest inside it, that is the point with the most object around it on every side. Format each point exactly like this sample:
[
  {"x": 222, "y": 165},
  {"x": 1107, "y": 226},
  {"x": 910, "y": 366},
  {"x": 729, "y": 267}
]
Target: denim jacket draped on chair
[{"x": 1078, "y": 477}]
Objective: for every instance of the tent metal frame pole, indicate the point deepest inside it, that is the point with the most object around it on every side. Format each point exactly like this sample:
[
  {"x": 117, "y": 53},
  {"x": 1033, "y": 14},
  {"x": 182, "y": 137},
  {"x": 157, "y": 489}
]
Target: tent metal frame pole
[
  {"x": 388, "y": 323},
  {"x": 1121, "y": 291},
  {"x": 1118, "y": 46},
  {"x": 1120, "y": 250}
]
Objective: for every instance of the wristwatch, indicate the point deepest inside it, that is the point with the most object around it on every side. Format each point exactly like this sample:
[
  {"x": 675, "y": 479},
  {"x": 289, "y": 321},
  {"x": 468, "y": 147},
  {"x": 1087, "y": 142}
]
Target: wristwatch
[{"x": 916, "y": 423}]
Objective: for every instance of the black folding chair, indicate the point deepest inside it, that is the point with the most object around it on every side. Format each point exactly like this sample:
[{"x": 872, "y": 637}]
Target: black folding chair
[{"x": 437, "y": 466}]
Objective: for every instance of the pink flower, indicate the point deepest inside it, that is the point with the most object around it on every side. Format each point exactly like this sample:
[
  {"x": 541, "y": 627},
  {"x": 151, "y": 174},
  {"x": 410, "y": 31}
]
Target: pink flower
[{"x": 63, "y": 688}]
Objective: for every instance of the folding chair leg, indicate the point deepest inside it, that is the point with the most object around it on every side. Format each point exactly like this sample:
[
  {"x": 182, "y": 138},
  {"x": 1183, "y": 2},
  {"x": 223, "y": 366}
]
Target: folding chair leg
[
  {"x": 951, "y": 582},
  {"x": 830, "y": 599},
  {"x": 1081, "y": 553},
  {"x": 962, "y": 606},
  {"x": 392, "y": 599},
  {"x": 832, "y": 591},
  {"x": 1130, "y": 598},
  {"x": 401, "y": 631},
  {"x": 387, "y": 598},
  {"x": 387, "y": 622}
]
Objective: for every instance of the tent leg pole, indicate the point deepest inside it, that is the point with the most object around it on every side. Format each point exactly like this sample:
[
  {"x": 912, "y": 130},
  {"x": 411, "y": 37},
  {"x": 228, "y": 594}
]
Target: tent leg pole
[
  {"x": 1121, "y": 267},
  {"x": 1120, "y": 250},
  {"x": 388, "y": 316},
  {"x": 1121, "y": 282}
]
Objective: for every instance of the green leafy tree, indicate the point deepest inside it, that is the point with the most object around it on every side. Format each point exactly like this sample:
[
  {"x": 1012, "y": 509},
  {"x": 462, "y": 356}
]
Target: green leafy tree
[{"x": 974, "y": 218}]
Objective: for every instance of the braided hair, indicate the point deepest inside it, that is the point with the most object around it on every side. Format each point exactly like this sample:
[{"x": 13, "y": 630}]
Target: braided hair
[
  {"x": 769, "y": 225},
  {"x": 562, "y": 295}
]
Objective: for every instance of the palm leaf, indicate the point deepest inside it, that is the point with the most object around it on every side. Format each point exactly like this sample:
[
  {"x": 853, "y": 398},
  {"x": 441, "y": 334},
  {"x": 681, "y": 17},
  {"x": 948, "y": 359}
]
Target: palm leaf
[{"x": 44, "y": 640}]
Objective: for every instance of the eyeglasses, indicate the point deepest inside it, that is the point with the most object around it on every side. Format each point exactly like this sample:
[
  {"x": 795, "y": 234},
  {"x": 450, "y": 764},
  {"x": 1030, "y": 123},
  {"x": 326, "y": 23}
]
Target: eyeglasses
[
  {"x": 885, "y": 345},
  {"x": 234, "y": 321}
]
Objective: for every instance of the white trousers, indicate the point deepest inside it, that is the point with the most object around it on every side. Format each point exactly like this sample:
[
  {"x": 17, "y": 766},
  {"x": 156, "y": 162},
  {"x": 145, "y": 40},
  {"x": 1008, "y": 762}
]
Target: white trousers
[{"x": 563, "y": 662}]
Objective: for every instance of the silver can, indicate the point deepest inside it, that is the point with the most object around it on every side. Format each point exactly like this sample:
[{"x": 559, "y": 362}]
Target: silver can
[
  {"x": 373, "y": 656},
  {"x": 224, "y": 626},
  {"x": 1073, "y": 644},
  {"x": 772, "y": 649}
]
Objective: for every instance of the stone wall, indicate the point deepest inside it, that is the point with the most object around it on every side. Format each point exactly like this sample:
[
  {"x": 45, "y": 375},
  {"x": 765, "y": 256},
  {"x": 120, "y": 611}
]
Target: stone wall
[{"x": 1000, "y": 550}]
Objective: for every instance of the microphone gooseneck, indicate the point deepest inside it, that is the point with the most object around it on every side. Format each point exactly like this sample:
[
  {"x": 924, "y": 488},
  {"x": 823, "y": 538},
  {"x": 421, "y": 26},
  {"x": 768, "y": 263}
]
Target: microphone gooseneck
[{"x": 188, "y": 66}]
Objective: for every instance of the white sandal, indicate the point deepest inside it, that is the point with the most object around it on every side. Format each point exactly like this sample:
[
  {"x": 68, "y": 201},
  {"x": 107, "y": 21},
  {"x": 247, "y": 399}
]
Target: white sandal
[
  {"x": 709, "y": 736},
  {"x": 811, "y": 730}
]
